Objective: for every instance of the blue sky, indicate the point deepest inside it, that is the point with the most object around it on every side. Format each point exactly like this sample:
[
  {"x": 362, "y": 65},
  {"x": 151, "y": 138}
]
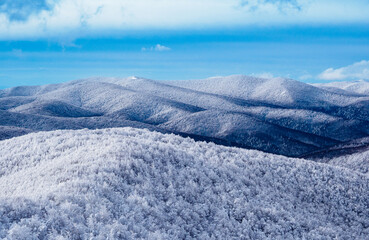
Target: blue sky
[{"x": 50, "y": 41}]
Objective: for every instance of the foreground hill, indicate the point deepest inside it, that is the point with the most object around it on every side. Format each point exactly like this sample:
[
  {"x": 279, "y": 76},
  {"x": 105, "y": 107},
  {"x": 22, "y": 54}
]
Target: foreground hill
[
  {"x": 131, "y": 183},
  {"x": 275, "y": 115}
]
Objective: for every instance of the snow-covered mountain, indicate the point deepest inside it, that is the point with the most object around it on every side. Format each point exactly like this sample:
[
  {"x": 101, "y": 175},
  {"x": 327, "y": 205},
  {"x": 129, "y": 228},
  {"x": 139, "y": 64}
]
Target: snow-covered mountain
[
  {"x": 359, "y": 86},
  {"x": 136, "y": 184},
  {"x": 274, "y": 115}
]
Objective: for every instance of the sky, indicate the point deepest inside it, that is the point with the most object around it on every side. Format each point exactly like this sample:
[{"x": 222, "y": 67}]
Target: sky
[{"x": 51, "y": 41}]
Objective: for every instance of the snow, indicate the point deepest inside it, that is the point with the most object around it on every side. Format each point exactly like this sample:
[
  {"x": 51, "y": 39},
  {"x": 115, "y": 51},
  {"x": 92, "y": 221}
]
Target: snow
[{"x": 127, "y": 183}]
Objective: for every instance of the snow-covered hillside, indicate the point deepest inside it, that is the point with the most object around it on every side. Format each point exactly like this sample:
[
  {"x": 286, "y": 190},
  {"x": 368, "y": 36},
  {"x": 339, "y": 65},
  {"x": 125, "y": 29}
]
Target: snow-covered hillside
[
  {"x": 357, "y": 161},
  {"x": 275, "y": 115},
  {"x": 135, "y": 184}
]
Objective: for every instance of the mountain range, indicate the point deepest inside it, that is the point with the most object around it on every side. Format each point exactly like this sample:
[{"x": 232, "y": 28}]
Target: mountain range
[
  {"x": 133, "y": 158},
  {"x": 275, "y": 115}
]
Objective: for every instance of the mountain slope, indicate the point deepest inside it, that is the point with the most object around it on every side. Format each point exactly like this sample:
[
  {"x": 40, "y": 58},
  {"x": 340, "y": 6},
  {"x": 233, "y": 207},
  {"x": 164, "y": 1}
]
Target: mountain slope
[
  {"x": 131, "y": 183},
  {"x": 31, "y": 122},
  {"x": 248, "y": 131},
  {"x": 54, "y": 108}
]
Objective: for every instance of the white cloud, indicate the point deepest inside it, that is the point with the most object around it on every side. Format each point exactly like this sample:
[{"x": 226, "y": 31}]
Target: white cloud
[
  {"x": 157, "y": 48},
  {"x": 75, "y": 18},
  {"x": 161, "y": 48},
  {"x": 358, "y": 70}
]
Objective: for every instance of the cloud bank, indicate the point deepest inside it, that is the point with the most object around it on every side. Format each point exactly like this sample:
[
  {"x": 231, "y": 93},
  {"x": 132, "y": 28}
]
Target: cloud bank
[
  {"x": 358, "y": 70},
  {"x": 74, "y": 18}
]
